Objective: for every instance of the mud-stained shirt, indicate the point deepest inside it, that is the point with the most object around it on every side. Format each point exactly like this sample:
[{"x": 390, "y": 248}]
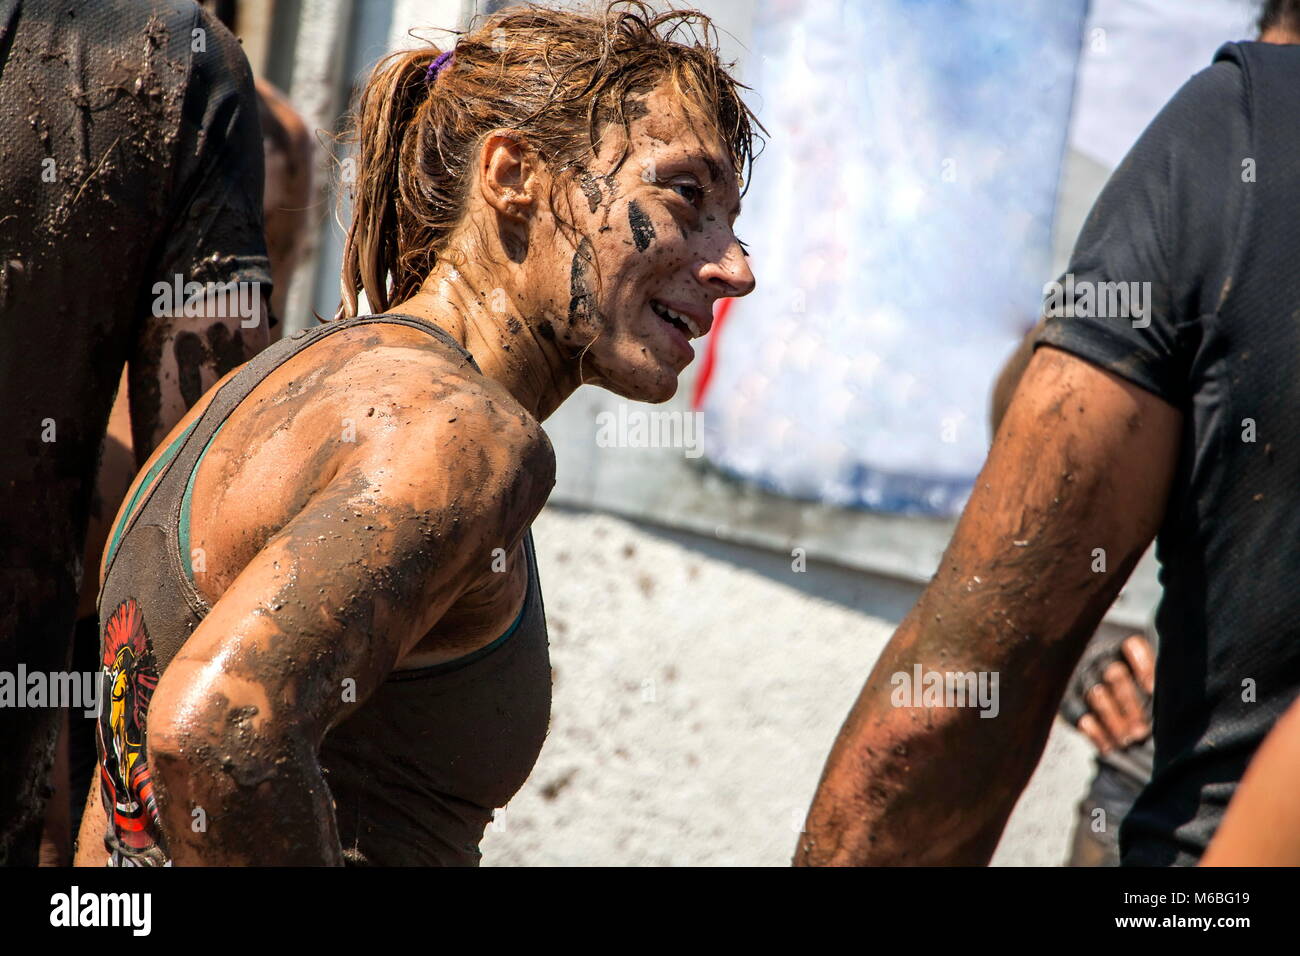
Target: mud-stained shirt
[
  {"x": 1186, "y": 281},
  {"x": 130, "y": 154}
]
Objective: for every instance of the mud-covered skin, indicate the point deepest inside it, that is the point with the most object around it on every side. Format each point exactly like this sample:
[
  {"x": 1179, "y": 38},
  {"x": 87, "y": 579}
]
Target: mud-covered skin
[
  {"x": 1013, "y": 370},
  {"x": 581, "y": 288},
  {"x": 590, "y": 187},
  {"x": 584, "y": 285},
  {"x": 371, "y": 553},
  {"x": 1115, "y": 715},
  {"x": 643, "y": 230},
  {"x": 177, "y": 359},
  {"x": 350, "y": 510},
  {"x": 1082, "y": 461}
]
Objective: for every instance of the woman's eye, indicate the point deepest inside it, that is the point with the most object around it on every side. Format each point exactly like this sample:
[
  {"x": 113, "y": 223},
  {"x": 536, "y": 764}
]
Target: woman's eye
[{"x": 692, "y": 193}]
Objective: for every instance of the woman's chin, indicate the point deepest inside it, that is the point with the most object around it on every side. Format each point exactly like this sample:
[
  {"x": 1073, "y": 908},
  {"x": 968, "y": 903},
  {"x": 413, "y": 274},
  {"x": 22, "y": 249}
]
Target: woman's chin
[
  {"x": 653, "y": 386},
  {"x": 666, "y": 391}
]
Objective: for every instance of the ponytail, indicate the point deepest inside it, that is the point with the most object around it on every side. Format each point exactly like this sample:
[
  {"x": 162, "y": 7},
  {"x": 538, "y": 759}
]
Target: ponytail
[{"x": 386, "y": 131}]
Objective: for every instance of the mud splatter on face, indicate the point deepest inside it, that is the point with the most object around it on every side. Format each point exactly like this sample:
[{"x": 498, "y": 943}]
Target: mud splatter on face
[
  {"x": 515, "y": 246},
  {"x": 590, "y": 187},
  {"x": 635, "y": 108},
  {"x": 580, "y": 294},
  {"x": 643, "y": 230}
]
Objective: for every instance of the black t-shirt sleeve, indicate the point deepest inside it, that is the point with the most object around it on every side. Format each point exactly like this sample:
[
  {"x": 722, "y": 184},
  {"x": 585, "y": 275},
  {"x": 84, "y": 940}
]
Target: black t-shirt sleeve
[
  {"x": 215, "y": 230},
  {"x": 1166, "y": 221}
]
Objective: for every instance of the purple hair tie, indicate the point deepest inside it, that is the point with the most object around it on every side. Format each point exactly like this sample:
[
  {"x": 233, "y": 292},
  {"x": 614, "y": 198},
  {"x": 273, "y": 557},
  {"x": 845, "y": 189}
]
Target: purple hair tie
[{"x": 436, "y": 66}]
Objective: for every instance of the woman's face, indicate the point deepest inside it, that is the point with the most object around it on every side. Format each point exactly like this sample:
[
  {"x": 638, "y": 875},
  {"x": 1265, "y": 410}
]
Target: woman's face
[{"x": 655, "y": 251}]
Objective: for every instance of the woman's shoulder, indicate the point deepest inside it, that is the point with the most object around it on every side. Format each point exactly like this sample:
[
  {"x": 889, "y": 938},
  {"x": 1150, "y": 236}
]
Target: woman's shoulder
[
  {"x": 436, "y": 434},
  {"x": 414, "y": 357},
  {"x": 428, "y": 386}
]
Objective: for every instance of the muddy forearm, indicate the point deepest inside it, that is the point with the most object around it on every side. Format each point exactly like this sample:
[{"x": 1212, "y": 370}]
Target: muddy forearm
[
  {"x": 1071, "y": 494},
  {"x": 926, "y": 785},
  {"x": 233, "y": 743},
  {"x": 260, "y": 801},
  {"x": 179, "y": 358}
]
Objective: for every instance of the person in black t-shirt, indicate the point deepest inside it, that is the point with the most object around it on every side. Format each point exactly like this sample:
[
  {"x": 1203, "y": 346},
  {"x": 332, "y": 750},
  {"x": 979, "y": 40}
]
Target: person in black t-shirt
[
  {"x": 1162, "y": 398},
  {"x": 132, "y": 167},
  {"x": 288, "y": 150},
  {"x": 1262, "y": 825},
  {"x": 1108, "y": 698}
]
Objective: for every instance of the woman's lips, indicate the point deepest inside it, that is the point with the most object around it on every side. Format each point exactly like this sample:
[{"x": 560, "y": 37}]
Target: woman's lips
[
  {"x": 676, "y": 335},
  {"x": 692, "y": 327}
]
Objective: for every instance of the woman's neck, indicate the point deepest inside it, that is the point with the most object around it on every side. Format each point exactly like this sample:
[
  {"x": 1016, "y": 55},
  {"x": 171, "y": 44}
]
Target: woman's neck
[{"x": 479, "y": 314}]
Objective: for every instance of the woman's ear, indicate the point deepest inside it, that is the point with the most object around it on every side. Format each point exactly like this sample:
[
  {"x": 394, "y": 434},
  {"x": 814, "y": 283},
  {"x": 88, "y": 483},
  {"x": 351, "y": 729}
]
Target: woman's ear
[{"x": 509, "y": 174}]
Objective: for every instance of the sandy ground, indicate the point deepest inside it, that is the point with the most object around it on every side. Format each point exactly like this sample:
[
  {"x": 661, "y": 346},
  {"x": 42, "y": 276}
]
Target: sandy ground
[{"x": 698, "y": 687}]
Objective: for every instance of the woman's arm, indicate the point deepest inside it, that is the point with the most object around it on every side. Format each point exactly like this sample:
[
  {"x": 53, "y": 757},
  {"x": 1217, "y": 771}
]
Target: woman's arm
[{"x": 316, "y": 621}]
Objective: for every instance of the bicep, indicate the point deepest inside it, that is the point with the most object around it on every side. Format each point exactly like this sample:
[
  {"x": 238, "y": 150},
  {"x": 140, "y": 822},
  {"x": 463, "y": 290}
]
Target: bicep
[{"x": 318, "y": 618}]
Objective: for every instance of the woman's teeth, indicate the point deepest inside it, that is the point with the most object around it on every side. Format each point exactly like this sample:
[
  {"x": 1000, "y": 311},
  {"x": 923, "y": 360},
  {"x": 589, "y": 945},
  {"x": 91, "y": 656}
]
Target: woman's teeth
[{"x": 683, "y": 322}]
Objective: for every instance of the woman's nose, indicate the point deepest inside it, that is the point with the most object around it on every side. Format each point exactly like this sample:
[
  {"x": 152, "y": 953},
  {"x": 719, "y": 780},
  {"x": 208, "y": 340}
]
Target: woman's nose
[{"x": 730, "y": 275}]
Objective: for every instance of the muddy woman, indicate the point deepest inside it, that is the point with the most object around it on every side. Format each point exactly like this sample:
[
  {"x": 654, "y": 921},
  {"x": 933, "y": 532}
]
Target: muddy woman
[{"x": 323, "y": 639}]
